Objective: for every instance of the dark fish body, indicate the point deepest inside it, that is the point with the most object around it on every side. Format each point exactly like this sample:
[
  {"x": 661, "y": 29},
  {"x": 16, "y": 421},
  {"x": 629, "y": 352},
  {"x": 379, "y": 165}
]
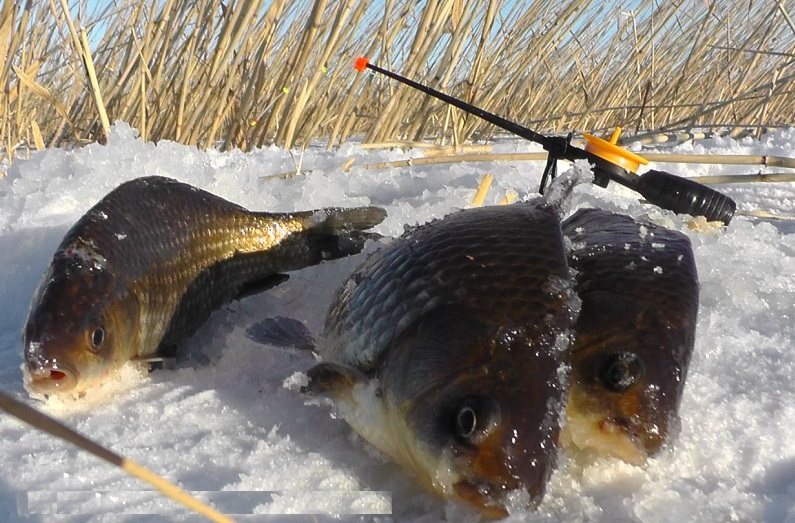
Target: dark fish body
[
  {"x": 634, "y": 334},
  {"x": 145, "y": 266},
  {"x": 446, "y": 350}
]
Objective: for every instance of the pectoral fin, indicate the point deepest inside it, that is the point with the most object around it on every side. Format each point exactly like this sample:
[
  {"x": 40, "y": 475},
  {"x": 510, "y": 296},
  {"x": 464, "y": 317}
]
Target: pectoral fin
[
  {"x": 333, "y": 380},
  {"x": 157, "y": 361},
  {"x": 281, "y": 332}
]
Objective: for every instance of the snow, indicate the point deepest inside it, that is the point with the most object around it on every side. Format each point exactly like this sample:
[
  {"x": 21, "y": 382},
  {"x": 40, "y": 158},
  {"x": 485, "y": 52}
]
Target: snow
[{"x": 230, "y": 425}]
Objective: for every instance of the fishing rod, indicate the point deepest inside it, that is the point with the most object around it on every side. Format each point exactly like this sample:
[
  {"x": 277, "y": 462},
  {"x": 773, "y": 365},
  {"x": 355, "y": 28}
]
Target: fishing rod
[{"x": 609, "y": 161}]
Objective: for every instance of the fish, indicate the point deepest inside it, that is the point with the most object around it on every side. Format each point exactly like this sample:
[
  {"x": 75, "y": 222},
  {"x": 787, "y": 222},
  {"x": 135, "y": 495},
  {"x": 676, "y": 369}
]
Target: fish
[
  {"x": 149, "y": 263},
  {"x": 446, "y": 350},
  {"x": 633, "y": 337}
]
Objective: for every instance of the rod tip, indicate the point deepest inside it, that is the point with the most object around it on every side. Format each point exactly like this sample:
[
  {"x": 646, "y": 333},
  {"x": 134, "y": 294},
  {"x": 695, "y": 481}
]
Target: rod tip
[{"x": 361, "y": 63}]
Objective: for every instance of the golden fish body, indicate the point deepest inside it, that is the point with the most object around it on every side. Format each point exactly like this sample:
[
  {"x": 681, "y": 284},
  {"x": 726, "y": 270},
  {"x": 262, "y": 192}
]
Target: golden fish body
[
  {"x": 145, "y": 266},
  {"x": 633, "y": 337},
  {"x": 446, "y": 350}
]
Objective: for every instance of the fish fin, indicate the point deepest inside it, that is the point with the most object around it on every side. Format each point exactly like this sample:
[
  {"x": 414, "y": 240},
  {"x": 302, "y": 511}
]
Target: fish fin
[
  {"x": 340, "y": 245},
  {"x": 559, "y": 193},
  {"x": 333, "y": 380},
  {"x": 156, "y": 362},
  {"x": 263, "y": 284},
  {"x": 332, "y": 220},
  {"x": 281, "y": 332},
  {"x": 338, "y": 232}
]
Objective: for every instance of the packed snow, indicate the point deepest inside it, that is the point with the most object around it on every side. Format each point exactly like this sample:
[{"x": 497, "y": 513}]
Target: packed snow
[{"x": 230, "y": 425}]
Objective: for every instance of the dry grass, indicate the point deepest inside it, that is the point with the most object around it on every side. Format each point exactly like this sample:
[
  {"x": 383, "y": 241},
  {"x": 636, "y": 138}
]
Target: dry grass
[{"x": 238, "y": 73}]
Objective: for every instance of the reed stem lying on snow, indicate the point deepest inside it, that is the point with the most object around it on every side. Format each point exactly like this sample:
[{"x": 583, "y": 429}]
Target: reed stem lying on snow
[
  {"x": 711, "y": 159},
  {"x": 47, "y": 424}
]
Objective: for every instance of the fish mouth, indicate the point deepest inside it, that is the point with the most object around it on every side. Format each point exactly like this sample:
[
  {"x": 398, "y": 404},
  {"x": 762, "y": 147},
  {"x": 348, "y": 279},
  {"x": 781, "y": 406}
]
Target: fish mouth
[
  {"x": 48, "y": 379},
  {"x": 480, "y": 495},
  {"x": 614, "y": 437}
]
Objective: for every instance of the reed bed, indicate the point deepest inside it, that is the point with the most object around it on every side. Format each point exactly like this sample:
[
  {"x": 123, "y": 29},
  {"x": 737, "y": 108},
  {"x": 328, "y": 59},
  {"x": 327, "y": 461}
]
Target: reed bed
[{"x": 246, "y": 73}]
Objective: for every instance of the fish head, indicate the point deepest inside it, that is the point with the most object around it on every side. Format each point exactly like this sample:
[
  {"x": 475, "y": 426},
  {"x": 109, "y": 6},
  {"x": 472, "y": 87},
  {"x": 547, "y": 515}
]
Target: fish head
[
  {"x": 478, "y": 403},
  {"x": 78, "y": 326},
  {"x": 629, "y": 362}
]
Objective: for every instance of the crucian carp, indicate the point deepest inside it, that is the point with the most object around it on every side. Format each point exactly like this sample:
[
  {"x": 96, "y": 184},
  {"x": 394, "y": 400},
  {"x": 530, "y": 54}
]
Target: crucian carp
[
  {"x": 447, "y": 350},
  {"x": 146, "y": 266},
  {"x": 634, "y": 335}
]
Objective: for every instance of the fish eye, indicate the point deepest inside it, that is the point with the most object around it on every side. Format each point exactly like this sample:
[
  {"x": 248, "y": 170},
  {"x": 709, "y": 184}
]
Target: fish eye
[
  {"x": 97, "y": 338},
  {"x": 621, "y": 371},
  {"x": 466, "y": 422},
  {"x": 475, "y": 418}
]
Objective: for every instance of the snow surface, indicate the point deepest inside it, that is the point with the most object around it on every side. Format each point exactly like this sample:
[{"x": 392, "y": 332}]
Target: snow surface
[{"x": 224, "y": 425}]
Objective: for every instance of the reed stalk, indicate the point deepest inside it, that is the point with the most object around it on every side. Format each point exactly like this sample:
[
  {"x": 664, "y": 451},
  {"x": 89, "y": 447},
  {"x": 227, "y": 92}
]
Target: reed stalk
[{"x": 201, "y": 72}]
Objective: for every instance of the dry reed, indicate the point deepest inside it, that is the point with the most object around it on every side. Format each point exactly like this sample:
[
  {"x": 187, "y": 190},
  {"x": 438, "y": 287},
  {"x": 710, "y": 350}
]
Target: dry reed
[
  {"x": 714, "y": 159},
  {"x": 50, "y": 425},
  {"x": 247, "y": 73}
]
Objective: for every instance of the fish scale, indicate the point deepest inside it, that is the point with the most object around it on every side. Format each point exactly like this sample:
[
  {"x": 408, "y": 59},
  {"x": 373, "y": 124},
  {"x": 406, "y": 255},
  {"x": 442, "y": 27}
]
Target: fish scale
[
  {"x": 468, "y": 258},
  {"x": 623, "y": 258},
  {"x": 183, "y": 237},
  {"x": 154, "y": 258}
]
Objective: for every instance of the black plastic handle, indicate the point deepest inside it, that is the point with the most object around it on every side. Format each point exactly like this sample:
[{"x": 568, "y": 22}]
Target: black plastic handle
[{"x": 685, "y": 196}]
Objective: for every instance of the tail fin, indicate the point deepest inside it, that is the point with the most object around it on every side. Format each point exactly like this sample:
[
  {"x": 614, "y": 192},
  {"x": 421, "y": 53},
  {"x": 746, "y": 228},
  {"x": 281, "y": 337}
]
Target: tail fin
[
  {"x": 336, "y": 232},
  {"x": 328, "y": 234},
  {"x": 333, "y": 220}
]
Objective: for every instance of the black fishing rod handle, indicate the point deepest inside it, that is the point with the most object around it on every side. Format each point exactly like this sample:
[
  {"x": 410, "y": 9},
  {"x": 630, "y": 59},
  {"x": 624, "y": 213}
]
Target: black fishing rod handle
[{"x": 685, "y": 196}]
